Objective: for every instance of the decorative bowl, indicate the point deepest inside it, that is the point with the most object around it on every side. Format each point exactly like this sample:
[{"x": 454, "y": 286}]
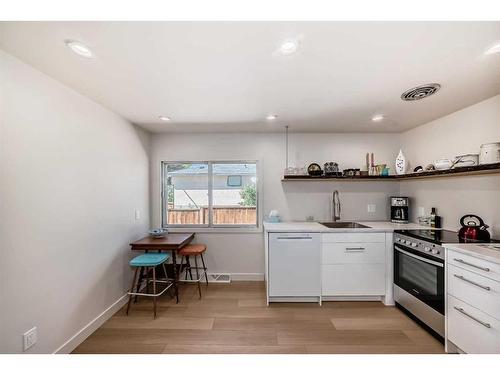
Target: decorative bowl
[
  {"x": 158, "y": 233},
  {"x": 443, "y": 164},
  {"x": 314, "y": 170}
]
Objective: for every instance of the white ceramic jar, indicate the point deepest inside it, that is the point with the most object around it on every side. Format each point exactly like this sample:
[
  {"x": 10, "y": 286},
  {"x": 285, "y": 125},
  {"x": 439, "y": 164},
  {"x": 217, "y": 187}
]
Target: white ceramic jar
[{"x": 490, "y": 153}]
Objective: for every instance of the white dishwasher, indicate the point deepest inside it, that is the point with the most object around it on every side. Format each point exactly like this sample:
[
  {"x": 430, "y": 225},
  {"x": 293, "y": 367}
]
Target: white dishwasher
[{"x": 294, "y": 265}]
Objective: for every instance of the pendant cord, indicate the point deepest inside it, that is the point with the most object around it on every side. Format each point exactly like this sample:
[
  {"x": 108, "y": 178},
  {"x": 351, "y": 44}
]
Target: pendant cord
[{"x": 286, "y": 146}]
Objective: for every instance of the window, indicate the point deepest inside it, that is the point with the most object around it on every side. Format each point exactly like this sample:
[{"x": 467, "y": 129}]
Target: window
[
  {"x": 210, "y": 194},
  {"x": 234, "y": 181}
]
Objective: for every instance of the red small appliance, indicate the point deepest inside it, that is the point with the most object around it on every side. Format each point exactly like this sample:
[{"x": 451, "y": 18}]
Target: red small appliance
[{"x": 473, "y": 229}]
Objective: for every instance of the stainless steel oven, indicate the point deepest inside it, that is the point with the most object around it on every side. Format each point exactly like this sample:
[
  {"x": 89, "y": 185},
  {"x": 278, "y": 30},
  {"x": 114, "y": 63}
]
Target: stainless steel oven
[{"x": 419, "y": 280}]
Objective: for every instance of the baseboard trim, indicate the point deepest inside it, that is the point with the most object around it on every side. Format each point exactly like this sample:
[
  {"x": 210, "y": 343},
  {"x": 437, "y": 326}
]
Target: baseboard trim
[
  {"x": 247, "y": 277},
  {"x": 352, "y": 298},
  {"x": 91, "y": 327},
  {"x": 294, "y": 299}
]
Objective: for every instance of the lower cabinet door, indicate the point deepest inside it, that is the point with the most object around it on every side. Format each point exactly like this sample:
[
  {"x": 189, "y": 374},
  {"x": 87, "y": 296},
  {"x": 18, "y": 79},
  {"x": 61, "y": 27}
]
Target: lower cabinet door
[
  {"x": 353, "y": 280},
  {"x": 475, "y": 290},
  {"x": 472, "y": 330}
]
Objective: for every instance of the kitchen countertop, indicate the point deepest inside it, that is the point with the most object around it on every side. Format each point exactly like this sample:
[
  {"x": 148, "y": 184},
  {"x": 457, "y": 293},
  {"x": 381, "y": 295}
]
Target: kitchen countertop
[
  {"x": 477, "y": 251},
  {"x": 308, "y": 226}
]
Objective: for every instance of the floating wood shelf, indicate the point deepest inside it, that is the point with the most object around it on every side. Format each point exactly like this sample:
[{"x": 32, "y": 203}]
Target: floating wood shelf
[
  {"x": 455, "y": 172},
  {"x": 343, "y": 178}
]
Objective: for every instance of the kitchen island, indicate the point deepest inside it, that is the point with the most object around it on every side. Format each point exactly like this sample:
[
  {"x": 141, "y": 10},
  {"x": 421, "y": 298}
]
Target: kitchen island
[{"x": 309, "y": 262}]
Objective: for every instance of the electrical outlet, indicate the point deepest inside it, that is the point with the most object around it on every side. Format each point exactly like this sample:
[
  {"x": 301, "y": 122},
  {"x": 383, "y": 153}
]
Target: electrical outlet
[
  {"x": 371, "y": 207},
  {"x": 421, "y": 211},
  {"x": 137, "y": 215},
  {"x": 29, "y": 338}
]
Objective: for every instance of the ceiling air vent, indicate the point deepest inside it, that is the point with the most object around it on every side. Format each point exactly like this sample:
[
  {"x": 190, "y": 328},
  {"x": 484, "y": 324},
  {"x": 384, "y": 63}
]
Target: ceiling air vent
[{"x": 420, "y": 92}]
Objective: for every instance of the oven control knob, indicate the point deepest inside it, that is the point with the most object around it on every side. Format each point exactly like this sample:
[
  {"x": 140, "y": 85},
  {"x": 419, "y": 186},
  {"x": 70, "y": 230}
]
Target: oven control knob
[
  {"x": 398, "y": 239},
  {"x": 427, "y": 248},
  {"x": 413, "y": 244},
  {"x": 435, "y": 251}
]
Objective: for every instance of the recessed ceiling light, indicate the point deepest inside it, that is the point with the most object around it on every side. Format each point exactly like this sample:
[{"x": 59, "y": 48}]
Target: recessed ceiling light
[
  {"x": 79, "y": 48},
  {"x": 164, "y": 118},
  {"x": 272, "y": 117},
  {"x": 378, "y": 118},
  {"x": 493, "y": 49},
  {"x": 289, "y": 46}
]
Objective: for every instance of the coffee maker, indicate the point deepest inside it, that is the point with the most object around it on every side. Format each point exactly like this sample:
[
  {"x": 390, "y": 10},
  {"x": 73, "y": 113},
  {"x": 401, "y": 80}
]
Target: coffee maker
[{"x": 400, "y": 209}]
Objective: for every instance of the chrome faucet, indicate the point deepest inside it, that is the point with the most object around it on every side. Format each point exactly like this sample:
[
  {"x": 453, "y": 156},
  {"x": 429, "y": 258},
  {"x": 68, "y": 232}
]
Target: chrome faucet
[{"x": 335, "y": 206}]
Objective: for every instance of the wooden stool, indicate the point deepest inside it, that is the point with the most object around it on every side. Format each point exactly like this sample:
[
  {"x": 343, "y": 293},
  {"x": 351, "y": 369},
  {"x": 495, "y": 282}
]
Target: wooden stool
[
  {"x": 193, "y": 250},
  {"x": 147, "y": 261}
]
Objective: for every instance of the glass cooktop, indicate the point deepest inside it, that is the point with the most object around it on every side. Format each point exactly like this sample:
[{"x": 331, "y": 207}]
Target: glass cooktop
[{"x": 438, "y": 236}]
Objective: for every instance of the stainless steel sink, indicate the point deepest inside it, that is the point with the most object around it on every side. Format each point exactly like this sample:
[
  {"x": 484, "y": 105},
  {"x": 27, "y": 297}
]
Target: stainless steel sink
[{"x": 344, "y": 224}]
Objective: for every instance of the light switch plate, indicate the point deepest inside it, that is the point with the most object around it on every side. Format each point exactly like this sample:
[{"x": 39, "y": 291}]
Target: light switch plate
[
  {"x": 29, "y": 338},
  {"x": 421, "y": 211},
  {"x": 371, "y": 207},
  {"x": 137, "y": 215}
]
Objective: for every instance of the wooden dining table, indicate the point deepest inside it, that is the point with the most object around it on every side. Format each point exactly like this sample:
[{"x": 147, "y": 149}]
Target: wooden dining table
[{"x": 172, "y": 243}]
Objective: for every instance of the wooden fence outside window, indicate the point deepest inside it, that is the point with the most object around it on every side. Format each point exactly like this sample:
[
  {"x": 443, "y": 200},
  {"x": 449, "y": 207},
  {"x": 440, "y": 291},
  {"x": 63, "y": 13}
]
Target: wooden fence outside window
[{"x": 221, "y": 215}]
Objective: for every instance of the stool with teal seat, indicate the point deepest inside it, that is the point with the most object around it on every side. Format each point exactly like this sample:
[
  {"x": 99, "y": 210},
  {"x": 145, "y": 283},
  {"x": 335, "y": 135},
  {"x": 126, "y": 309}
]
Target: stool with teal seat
[{"x": 147, "y": 261}]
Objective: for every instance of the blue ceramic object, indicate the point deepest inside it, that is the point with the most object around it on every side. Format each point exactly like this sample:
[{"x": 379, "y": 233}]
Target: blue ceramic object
[
  {"x": 273, "y": 219},
  {"x": 158, "y": 233}
]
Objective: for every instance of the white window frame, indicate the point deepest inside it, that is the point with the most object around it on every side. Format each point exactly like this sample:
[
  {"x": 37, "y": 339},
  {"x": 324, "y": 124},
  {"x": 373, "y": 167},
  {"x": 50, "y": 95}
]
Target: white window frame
[{"x": 209, "y": 226}]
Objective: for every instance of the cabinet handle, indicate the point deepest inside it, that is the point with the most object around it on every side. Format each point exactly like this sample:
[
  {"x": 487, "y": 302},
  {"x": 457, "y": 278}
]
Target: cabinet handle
[
  {"x": 471, "y": 282},
  {"x": 355, "y": 249},
  {"x": 462, "y": 311},
  {"x": 293, "y": 238},
  {"x": 472, "y": 265}
]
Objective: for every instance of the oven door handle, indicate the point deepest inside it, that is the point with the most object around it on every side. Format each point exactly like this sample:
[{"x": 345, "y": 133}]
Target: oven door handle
[{"x": 419, "y": 257}]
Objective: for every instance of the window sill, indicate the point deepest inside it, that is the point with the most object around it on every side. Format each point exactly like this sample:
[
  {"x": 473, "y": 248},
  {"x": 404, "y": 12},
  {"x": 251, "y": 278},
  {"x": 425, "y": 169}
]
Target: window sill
[{"x": 214, "y": 230}]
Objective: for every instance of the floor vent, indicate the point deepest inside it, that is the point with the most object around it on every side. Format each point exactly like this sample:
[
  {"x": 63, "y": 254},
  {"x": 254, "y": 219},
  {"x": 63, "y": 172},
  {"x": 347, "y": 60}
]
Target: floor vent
[{"x": 219, "y": 278}]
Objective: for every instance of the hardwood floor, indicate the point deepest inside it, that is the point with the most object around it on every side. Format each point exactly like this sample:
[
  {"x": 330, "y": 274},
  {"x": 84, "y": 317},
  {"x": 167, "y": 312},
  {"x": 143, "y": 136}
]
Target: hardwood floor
[{"x": 234, "y": 318}]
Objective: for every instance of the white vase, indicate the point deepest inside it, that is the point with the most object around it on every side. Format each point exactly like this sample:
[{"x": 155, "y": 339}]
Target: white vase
[{"x": 400, "y": 163}]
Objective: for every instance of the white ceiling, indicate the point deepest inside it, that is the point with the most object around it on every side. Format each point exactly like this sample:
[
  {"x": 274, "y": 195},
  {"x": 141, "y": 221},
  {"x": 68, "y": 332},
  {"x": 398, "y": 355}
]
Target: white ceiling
[{"x": 227, "y": 76}]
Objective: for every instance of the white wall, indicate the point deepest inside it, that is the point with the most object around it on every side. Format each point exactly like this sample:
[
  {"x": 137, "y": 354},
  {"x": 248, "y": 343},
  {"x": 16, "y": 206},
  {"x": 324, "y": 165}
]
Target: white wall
[
  {"x": 461, "y": 132},
  {"x": 72, "y": 173},
  {"x": 243, "y": 253}
]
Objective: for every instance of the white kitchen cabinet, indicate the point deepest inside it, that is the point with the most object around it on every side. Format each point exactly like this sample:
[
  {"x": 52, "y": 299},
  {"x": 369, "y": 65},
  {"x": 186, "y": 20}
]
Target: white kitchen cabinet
[
  {"x": 353, "y": 252},
  {"x": 476, "y": 290},
  {"x": 328, "y": 265},
  {"x": 353, "y": 265},
  {"x": 472, "y": 303},
  {"x": 353, "y": 279},
  {"x": 474, "y": 264},
  {"x": 470, "y": 329},
  {"x": 353, "y": 237}
]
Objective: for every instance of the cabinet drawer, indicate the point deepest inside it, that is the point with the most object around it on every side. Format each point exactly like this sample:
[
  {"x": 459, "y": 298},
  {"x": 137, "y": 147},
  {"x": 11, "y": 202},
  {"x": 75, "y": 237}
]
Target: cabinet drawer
[
  {"x": 476, "y": 265},
  {"x": 353, "y": 280},
  {"x": 468, "y": 328},
  {"x": 353, "y": 252},
  {"x": 475, "y": 290},
  {"x": 353, "y": 237}
]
